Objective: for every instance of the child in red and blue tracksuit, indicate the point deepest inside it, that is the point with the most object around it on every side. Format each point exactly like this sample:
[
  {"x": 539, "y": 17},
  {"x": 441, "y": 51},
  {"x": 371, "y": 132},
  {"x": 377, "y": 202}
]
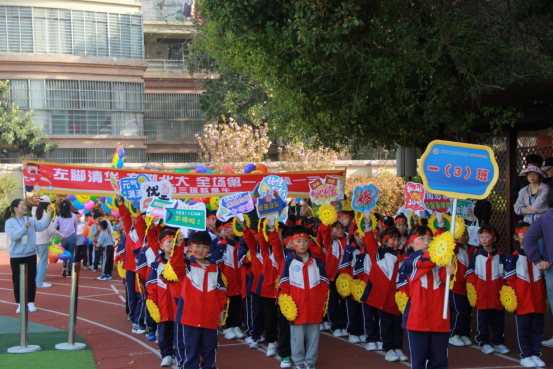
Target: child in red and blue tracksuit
[
  {"x": 486, "y": 272},
  {"x": 459, "y": 306},
  {"x": 225, "y": 256},
  {"x": 424, "y": 283},
  {"x": 334, "y": 242},
  {"x": 529, "y": 285},
  {"x": 304, "y": 279},
  {"x": 264, "y": 289},
  {"x": 381, "y": 288},
  {"x": 201, "y": 307},
  {"x": 159, "y": 294},
  {"x": 361, "y": 270},
  {"x": 354, "y": 308},
  {"x": 245, "y": 261},
  {"x": 135, "y": 230}
]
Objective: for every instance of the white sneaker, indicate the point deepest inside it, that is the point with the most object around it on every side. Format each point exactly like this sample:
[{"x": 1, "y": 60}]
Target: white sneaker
[
  {"x": 18, "y": 309},
  {"x": 466, "y": 340},
  {"x": 353, "y": 339},
  {"x": 528, "y": 362},
  {"x": 502, "y": 349},
  {"x": 254, "y": 345},
  {"x": 285, "y": 362},
  {"x": 539, "y": 362},
  {"x": 271, "y": 349},
  {"x": 363, "y": 338},
  {"x": 379, "y": 346},
  {"x": 31, "y": 307},
  {"x": 337, "y": 333},
  {"x": 322, "y": 327},
  {"x": 167, "y": 361},
  {"x": 401, "y": 355},
  {"x": 261, "y": 339},
  {"x": 327, "y": 326},
  {"x": 487, "y": 349},
  {"x": 174, "y": 362},
  {"x": 456, "y": 341},
  {"x": 229, "y": 334},
  {"x": 238, "y": 332},
  {"x": 371, "y": 346},
  {"x": 249, "y": 339},
  {"x": 391, "y": 356},
  {"x": 548, "y": 343},
  {"x": 44, "y": 285}
]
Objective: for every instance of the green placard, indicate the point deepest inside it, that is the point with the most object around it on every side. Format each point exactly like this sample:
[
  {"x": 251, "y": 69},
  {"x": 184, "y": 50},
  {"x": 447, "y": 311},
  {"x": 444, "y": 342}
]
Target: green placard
[
  {"x": 189, "y": 218},
  {"x": 157, "y": 204},
  {"x": 464, "y": 209}
]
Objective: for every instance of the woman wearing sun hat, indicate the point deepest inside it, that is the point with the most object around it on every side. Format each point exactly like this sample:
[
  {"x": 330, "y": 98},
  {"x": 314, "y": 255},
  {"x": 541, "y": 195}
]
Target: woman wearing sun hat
[{"x": 532, "y": 199}]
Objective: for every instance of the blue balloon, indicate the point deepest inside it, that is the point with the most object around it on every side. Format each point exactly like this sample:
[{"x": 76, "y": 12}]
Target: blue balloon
[
  {"x": 249, "y": 168},
  {"x": 201, "y": 169},
  {"x": 105, "y": 208},
  {"x": 121, "y": 152},
  {"x": 120, "y": 163},
  {"x": 191, "y": 202},
  {"x": 68, "y": 253},
  {"x": 63, "y": 257},
  {"x": 86, "y": 211},
  {"x": 78, "y": 205},
  {"x": 209, "y": 171},
  {"x": 85, "y": 241},
  {"x": 71, "y": 197},
  {"x": 102, "y": 199}
]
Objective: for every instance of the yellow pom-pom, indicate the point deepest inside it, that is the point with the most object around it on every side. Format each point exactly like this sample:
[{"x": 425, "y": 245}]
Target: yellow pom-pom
[
  {"x": 344, "y": 284},
  {"x": 454, "y": 278},
  {"x": 471, "y": 294},
  {"x": 442, "y": 249},
  {"x": 508, "y": 298},
  {"x": 248, "y": 257},
  {"x": 154, "y": 310},
  {"x": 237, "y": 228},
  {"x": 226, "y": 314},
  {"x": 459, "y": 227},
  {"x": 138, "y": 283},
  {"x": 401, "y": 301},
  {"x": 225, "y": 280},
  {"x": 288, "y": 307},
  {"x": 327, "y": 214},
  {"x": 325, "y": 310},
  {"x": 347, "y": 205},
  {"x": 122, "y": 272},
  {"x": 358, "y": 289},
  {"x": 277, "y": 282},
  {"x": 169, "y": 274}
]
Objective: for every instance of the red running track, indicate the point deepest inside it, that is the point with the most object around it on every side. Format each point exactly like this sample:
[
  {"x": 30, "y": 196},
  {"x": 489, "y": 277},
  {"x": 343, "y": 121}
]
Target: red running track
[{"x": 103, "y": 323}]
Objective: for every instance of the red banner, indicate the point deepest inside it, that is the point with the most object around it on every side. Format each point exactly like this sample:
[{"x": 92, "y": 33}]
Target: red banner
[{"x": 85, "y": 180}]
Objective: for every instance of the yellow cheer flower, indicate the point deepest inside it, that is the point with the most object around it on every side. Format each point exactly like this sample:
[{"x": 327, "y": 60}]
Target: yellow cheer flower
[
  {"x": 471, "y": 294},
  {"x": 442, "y": 249},
  {"x": 288, "y": 307},
  {"x": 154, "y": 310},
  {"x": 358, "y": 289},
  {"x": 327, "y": 214},
  {"x": 225, "y": 280},
  {"x": 344, "y": 284},
  {"x": 508, "y": 298},
  {"x": 238, "y": 231},
  {"x": 401, "y": 301},
  {"x": 169, "y": 274},
  {"x": 122, "y": 272}
]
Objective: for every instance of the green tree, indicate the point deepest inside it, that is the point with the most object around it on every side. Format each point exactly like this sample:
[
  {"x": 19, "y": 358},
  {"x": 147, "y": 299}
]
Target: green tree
[
  {"x": 379, "y": 73},
  {"x": 8, "y": 184},
  {"x": 17, "y": 129}
]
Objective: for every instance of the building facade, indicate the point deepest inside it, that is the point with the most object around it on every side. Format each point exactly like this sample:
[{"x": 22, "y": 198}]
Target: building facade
[{"x": 98, "y": 73}]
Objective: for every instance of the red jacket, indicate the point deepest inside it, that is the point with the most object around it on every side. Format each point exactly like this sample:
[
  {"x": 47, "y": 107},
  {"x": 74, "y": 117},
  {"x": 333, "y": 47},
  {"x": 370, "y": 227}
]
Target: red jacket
[
  {"x": 202, "y": 296},
  {"x": 485, "y": 272},
  {"x": 148, "y": 254},
  {"x": 527, "y": 281},
  {"x": 307, "y": 284},
  {"x": 383, "y": 276},
  {"x": 265, "y": 265},
  {"x": 226, "y": 258},
  {"x": 132, "y": 248},
  {"x": 463, "y": 260},
  {"x": 426, "y": 291},
  {"x": 159, "y": 291},
  {"x": 334, "y": 251}
]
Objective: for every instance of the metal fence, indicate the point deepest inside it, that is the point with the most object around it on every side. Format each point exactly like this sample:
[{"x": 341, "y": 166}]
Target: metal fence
[
  {"x": 73, "y": 32},
  {"x": 177, "y": 66},
  {"x": 167, "y": 10}
]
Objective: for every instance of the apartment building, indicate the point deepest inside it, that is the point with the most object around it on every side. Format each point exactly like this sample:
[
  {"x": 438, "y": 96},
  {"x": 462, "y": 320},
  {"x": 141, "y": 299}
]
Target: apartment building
[{"x": 98, "y": 73}]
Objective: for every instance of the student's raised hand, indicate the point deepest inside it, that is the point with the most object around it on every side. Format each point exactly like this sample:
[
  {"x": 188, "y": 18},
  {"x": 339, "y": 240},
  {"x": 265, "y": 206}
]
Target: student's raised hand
[
  {"x": 119, "y": 199},
  {"x": 221, "y": 318}
]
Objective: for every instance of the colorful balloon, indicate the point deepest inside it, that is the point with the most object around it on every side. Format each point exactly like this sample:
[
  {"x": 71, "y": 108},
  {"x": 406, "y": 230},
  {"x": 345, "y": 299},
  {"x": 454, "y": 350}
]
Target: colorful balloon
[
  {"x": 71, "y": 197},
  {"x": 105, "y": 208},
  {"x": 63, "y": 257},
  {"x": 52, "y": 258},
  {"x": 249, "y": 168},
  {"x": 201, "y": 169},
  {"x": 227, "y": 169},
  {"x": 86, "y": 231},
  {"x": 121, "y": 152},
  {"x": 209, "y": 171},
  {"x": 78, "y": 205},
  {"x": 90, "y": 221},
  {"x": 120, "y": 163},
  {"x": 255, "y": 172},
  {"x": 83, "y": 199},
  {"x": 56, "y": 249},
  {"x": 115, "y": 214},
  {"x": 56, "y": 240},
  {"x": 89, "y": 205},
  {"x": 261, "y": 167}
]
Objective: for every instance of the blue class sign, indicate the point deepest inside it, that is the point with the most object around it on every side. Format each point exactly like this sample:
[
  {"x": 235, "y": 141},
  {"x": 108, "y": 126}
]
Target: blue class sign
[{"x": 458, "y": 170}]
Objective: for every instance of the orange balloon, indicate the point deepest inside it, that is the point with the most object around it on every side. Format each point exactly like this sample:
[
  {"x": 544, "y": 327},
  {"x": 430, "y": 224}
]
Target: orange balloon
[
  {"x": 192, "y": 171},
  {"x": 261, "y": 167},
  {"x": 227, "y": 169},
  {"x": 52, "y": 258},
  {"x": 86, "y": 231}
]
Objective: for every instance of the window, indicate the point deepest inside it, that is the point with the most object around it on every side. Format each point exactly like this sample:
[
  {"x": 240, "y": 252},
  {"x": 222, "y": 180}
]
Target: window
[{"x": 72, "y": 32}]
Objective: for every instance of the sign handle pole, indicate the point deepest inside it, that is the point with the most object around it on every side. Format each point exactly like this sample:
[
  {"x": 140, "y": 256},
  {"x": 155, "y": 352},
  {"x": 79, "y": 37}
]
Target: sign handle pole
[{"x": 448, "y": 278}]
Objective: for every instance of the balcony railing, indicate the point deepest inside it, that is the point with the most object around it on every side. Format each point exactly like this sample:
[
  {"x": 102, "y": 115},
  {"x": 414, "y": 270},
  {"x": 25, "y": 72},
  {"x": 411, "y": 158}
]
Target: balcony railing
[
  {"x": 176, "y": 66},
  {"x": 166, "y": 10}
]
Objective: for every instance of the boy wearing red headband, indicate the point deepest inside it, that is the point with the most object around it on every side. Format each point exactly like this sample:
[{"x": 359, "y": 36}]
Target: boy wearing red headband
[
  {"x": 529, "y": 285},
  {"x": 304, "y": 279},
  {"x": 161, "y": 299},
  {"x": 226, "y": 258},
  {"x": 424, "y": 283},
  {"x": 486, "y": 272},
  {"x": 381, "y": 289},
  {"x": 201, "y": 307}
]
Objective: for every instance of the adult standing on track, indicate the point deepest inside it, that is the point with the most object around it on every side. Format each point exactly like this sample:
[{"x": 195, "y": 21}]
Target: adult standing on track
[
  {"x": 66, "y": 222},
  {"x": 42, "y": 239},
  {"x": 22, "y": 233}
]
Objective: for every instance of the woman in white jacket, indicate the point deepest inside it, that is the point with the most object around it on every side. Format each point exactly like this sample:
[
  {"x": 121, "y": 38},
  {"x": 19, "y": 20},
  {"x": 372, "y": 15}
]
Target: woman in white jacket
[
  {"x": 532, "y": 199},
  {"x": 42, "y": 239}
]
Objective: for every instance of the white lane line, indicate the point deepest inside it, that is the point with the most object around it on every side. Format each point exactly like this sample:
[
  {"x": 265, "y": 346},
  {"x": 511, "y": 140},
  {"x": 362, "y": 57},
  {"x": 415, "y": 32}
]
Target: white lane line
[
  {"x": 154, "y": 351},
  {"x": 80, "y": 298},
  {"x": 122, "y": 298},
  {"x": 114, "y": 288}
]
